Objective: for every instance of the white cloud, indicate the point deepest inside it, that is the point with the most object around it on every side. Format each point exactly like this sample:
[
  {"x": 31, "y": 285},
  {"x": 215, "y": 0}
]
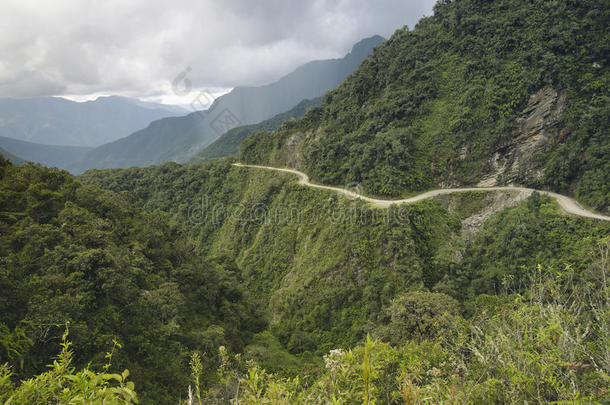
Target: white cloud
[{"x": 137, "y": 47}]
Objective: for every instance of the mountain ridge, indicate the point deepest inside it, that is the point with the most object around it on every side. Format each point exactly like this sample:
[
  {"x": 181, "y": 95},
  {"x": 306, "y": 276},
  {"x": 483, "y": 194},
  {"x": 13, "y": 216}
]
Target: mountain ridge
[
  {"x": 63, "y": 122},
  {"x": 59, "y": 156},
  {"x": 179, "y": 140},
  {"x": 228, "y": 143}
]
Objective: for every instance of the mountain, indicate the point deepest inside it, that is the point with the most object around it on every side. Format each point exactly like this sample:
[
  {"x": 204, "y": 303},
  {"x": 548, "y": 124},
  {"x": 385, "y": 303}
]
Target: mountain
[
  {"x": 472, "y": 96},
  {"x": 327, "y": 271},
  {"x": 58, "y": 121},
  {"x": 228, "y": 143},
  {"x": 179, "y": 139},
  {"x": 241, "y": 285},
  {"x": 47, "y": 155}
]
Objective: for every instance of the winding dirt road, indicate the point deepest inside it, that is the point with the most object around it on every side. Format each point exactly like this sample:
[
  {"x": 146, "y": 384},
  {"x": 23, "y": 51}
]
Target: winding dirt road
[{"x": 568, "y": 204}]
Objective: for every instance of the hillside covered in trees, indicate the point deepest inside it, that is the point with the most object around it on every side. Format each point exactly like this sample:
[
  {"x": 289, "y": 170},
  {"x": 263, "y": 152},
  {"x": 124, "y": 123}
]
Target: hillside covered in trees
[
  {"x": 78, "y": 254},
  {"x": 329, "y": 271},
  {"x": 179, "y": 260},
  {"x": 214, "y": 284},
  {"x": 488, "y": 92}
]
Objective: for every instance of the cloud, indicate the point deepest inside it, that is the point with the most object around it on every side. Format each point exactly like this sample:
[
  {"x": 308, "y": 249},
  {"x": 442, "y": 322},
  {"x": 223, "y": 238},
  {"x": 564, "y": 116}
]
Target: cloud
[{"x": 137, "y": 47}]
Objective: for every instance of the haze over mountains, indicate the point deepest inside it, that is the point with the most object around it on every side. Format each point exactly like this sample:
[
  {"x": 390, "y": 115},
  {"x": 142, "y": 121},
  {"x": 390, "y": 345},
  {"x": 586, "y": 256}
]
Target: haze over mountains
[
  {"x": 48, "y": 155},
  {"x": 180, "y": 138},
  {"x": 16, "y": 160},
  {"x": 59, "y": 121},
  {"x": 224, "y": 283}
]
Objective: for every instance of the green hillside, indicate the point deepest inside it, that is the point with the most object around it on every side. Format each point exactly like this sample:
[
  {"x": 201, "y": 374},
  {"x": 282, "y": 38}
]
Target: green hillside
[
  {"x": 182, "y": 259},
  {"x": 227, "y": 284},
  {"x": 482, "y": 92},
  {"x": 329, "y": 270},
  {"x": 75, "y": 253},
  {"x": 228, "y": 143}
]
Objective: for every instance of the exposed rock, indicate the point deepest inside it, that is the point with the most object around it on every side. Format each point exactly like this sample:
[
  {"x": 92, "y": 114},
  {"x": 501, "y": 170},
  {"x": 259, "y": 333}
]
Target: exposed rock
[
  {"x": 491, "y": 203},
  {"x": 497, "y": 201},
  {"x": 292, "y": 146},
  {"x": 537, "y": 123}
]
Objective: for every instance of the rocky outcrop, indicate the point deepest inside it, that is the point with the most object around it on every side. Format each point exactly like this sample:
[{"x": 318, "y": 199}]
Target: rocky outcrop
[
  {"x": 495, "y": 202},
  {"x": 473, "y": 212},
  {"x": 538, "y": 123}
]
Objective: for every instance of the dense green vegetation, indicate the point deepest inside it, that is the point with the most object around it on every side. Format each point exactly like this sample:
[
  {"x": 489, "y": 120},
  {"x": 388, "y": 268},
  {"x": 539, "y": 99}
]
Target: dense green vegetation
[
  {"x": 548, "y": 344},
  {"x": 76, "y": 253},
  {"x": 161, "y": 262},
  {"x": 331, "y": 270},
  {"x": 265, "y": 291},
  {"x": 228, "y": 143},
  {"x": 432, "y": 105},
  {"x": 63, "y": 385}
]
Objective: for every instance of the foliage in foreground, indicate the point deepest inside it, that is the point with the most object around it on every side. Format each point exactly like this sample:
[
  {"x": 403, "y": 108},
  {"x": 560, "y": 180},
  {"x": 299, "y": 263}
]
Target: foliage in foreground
[
  {"x": 547, "y": 345},
  {"x": 61, "y": 384}
]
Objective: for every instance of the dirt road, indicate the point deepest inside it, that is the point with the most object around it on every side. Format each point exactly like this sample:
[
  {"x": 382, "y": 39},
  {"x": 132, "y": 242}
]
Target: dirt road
[{"x": 568, "y": 204}]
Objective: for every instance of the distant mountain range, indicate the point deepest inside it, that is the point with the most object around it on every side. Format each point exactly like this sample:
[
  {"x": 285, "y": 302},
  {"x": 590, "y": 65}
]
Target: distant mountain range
[
  {"x": 59, "y": 121},
  {"x": 228, "y": 143},
  {"x": 180, "y": 138},
  {"x": 48, "y": 155}
]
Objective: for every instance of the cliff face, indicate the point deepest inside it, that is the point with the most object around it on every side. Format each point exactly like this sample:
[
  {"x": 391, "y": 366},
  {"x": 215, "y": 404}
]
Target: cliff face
[{"x": 519, "y": 162}]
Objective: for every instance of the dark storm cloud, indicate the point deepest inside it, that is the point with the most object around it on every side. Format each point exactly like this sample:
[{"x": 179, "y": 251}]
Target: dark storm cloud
[{"x": 137, "y": 47}]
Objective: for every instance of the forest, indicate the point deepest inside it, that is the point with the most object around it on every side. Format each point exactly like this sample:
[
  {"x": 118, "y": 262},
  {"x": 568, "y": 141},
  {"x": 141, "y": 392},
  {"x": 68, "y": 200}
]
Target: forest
[
  {"x": 282, "y": 295},
  {"x": 207, "y": 283}
]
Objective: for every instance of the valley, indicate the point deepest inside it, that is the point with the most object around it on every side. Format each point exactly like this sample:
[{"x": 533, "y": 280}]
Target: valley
[{"x": 424, "y": 219}]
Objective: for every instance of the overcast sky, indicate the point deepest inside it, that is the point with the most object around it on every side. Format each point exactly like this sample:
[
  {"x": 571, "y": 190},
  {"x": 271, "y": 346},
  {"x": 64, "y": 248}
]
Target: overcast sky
[{"x": 136, "y": 48}]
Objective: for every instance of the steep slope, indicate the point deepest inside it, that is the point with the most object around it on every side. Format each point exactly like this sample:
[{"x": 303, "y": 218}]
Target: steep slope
[
  {"x": 180, "y": 139},
  {"x": 58, "y": 121},
  {"x": 326, "y": 266},
  {"x": 481, "y": 93},
  {"x": 48, "y": 155},
  {"x": 228, "y": 143}
]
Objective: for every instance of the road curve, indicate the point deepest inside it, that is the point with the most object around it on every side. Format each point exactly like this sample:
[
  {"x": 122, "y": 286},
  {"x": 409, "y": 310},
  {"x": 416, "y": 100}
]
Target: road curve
[{"x": 568, "y": 204}]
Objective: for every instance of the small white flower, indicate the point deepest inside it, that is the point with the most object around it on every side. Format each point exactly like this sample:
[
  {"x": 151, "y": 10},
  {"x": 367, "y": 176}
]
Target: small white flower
[{"x": 333, "y": 359}]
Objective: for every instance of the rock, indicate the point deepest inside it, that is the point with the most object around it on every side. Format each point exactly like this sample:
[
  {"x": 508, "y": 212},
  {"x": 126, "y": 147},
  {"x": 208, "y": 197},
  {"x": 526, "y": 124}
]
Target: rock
[{"x": 515, "y": 163}]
